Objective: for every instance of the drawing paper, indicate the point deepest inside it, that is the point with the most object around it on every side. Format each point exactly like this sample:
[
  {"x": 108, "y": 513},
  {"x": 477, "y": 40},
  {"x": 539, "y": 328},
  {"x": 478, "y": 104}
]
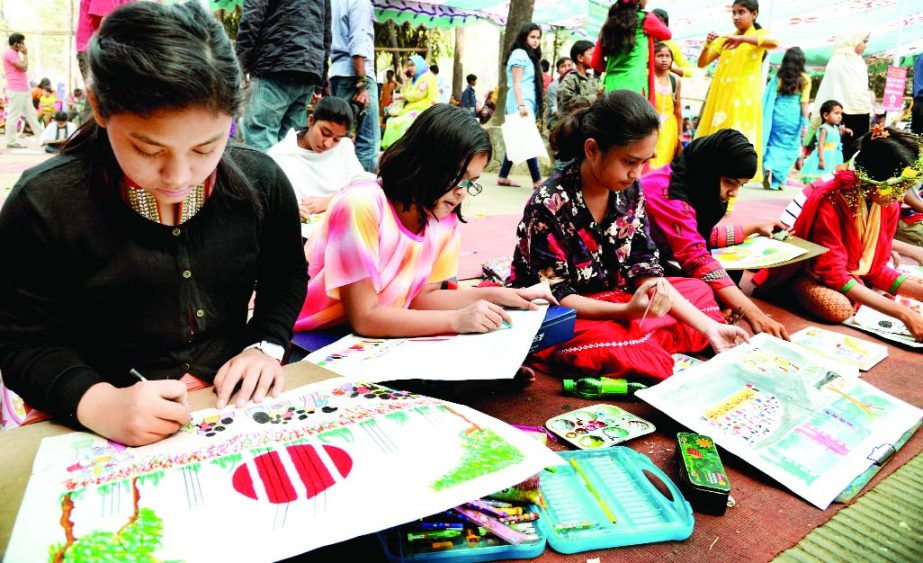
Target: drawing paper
[
  {"x": 453, "y": 357},
  {"x": 803, "y": 419},
  {"x": 321, "y": 464},
  {"x": 756, "y": 252}
]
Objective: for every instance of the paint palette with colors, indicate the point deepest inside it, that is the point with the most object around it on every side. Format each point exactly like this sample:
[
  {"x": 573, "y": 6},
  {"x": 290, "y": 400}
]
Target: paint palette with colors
[{"x": 598, "y": 426}]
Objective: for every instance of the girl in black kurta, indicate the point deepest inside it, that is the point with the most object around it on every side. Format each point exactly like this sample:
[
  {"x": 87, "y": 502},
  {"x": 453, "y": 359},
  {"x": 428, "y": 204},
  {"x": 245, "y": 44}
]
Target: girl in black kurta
[{"x": 141, "y": 245}]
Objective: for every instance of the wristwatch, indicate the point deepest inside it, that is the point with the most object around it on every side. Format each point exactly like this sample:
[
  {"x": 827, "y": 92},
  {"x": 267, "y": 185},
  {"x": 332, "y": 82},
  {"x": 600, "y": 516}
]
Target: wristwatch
[{"x": 271, "y": 349}]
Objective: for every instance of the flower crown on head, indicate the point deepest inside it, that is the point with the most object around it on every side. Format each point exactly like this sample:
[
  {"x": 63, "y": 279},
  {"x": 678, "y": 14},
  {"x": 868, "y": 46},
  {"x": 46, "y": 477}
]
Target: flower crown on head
[{"x": 896, "y": 185}]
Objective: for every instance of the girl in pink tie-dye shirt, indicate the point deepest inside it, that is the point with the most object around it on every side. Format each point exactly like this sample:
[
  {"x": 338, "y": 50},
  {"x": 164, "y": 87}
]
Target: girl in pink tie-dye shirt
[{"x": 386, "y": 249}]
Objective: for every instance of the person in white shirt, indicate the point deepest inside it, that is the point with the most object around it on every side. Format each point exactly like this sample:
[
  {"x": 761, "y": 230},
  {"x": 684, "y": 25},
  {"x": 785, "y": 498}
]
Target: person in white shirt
[
  {"x": 57, "y": 133},
  {"x": 321, "y": 158}
]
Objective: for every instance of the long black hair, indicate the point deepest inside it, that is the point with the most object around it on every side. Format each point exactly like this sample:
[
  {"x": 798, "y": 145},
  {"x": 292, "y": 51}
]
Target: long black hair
[
  {"x": 791, "y": 71},
  {"x": 148, "y": 57},
  {"x": 886, "y": 157},
  {"x": 535, "y": 55},
  {"x": 616, "y": 119},
  {"x": 333, "y": 109},
  {"x": 431, "y": 158},
  {"x": 618, "y": 33},
  {"x": 752, "y": 6}
]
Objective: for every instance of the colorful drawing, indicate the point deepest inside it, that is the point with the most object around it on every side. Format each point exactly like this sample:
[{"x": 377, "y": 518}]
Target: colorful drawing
[
  {"x": 756, "y": 252},
  {"x": 840, "y": 347},
  {"x": 494, "y": 355},
  {"x": 874, "y": 322},
  {"x": 804, "y": 419},
  {"x": 289, "y": 476}
]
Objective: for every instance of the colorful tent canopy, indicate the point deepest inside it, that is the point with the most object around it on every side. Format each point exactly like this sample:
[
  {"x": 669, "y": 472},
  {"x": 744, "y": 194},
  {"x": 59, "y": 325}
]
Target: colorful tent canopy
[{"x": 809, "y": 24}]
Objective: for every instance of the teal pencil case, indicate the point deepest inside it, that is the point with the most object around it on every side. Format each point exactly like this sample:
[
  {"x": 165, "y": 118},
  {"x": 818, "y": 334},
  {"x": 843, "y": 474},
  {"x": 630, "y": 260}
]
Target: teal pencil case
[
  {"x": 463, "y": 548},
  {"x": 605, "y": 498}
]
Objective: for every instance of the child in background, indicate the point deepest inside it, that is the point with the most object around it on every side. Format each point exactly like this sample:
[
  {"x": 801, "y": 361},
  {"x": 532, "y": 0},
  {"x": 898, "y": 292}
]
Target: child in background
[
  {"x": 734, "y": 99},
  {"x": 578, "y": 87},
  {"x": 141, "y": 244},
  {"x": 385, "y": 251},
  {"x": 785, "y": 118},
  {"x": 47, "y": 105},
  {"x": 321, "y": 158},
  {"x": 667, "y": 102},
  {"x": 855, "y": 216},
  {"x": 76, "y": 106},
  {"x": 624, "y": 50},
  {"x": 585, "y": 232},
  {"x": 469, "y": 100},
  {"x": 54, "y": 136},
  {"x": 828, "y": 154}
]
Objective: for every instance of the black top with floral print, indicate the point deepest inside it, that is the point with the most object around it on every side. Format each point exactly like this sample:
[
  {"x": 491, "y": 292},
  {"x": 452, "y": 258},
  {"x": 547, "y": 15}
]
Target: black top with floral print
[{"x": 561, "y": 243}]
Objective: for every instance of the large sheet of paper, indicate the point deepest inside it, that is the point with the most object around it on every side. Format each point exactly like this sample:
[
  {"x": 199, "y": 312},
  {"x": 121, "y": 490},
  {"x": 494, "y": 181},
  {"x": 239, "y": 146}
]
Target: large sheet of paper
[
  {"x": 840, "y": 347},
  {"x": 803, "y": 419},
  {"x": 451, "y": 357},
  {"x": 321, "y": 464},
  {"x": 756, "y": 252},
  {"x": 884, "y": 326}
]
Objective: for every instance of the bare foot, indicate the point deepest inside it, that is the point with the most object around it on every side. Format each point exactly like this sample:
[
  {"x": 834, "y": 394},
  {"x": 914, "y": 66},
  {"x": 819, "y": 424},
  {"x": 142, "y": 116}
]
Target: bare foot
[
  {"x": 537, "y": 184},
  {"x": 507, "y": 182}
]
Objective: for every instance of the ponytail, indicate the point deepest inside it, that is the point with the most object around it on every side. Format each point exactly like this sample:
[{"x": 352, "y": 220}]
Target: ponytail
[{"x": 618, "y": 118}]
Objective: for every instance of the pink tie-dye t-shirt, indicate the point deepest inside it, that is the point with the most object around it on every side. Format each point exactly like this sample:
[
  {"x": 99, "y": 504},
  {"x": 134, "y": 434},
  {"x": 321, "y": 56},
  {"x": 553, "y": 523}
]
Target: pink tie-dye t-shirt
[{"x": 361, "y": 237}]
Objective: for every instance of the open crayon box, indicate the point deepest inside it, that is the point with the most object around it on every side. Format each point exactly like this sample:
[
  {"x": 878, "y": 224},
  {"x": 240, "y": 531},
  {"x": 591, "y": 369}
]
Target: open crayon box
[
  {"x": 605, "y": 498},
  {"x": 449, "y": 537}
]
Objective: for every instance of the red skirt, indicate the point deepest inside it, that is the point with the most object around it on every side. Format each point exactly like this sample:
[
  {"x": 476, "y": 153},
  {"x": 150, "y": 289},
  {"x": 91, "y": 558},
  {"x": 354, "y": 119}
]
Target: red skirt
[{"x": 620, "y": 349}]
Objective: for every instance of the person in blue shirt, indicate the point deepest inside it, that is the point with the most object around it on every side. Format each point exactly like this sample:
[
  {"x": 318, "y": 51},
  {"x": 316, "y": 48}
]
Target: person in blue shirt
[
  {"x": 469, "y": 100},
  {"x": 352, "y": 72},
  {"x": 916, "y": 118}
]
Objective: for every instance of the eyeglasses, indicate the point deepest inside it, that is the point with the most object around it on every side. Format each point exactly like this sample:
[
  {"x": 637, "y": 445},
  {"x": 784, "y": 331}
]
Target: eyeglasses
[{"x": 473, "y": 188}]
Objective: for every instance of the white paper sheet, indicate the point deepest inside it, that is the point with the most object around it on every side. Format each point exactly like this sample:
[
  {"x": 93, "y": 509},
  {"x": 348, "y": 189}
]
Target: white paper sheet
[
  {"x": 756, "y": 252},
  {"x": 805, "y": 420},
  {"x": 453, "y": 357},
  {"x": 855, "y": 351},
  {"x": 884, "y": 326},
  {"x": 320, "y": 465}
]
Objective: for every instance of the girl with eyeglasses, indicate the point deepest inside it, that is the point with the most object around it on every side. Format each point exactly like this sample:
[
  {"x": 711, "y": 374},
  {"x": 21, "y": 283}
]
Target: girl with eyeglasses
[{"x": 387, "y": 248}]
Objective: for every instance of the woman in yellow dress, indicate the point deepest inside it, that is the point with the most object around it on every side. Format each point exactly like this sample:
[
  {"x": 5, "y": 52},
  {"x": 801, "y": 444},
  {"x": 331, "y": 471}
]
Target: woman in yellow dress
[
  {"x": 735, "y": 98},
  {"x": 667, "y": 103},
  {"x": 420, "y": 92}
]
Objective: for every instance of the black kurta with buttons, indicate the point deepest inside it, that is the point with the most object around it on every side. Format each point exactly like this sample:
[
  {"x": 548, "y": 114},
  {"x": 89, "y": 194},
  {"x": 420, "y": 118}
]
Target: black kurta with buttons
[{"x": 91, "y": 289}]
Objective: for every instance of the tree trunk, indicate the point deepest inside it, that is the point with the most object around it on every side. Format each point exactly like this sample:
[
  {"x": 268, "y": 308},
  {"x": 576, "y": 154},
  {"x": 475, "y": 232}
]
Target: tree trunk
[
  {"x": 458, "y": 73},
  {"x": 520, "y": 13},
  {"x": 392, "y": 42}
]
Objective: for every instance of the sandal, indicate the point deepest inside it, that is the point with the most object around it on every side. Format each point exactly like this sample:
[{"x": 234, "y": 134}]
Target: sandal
[{"x": 507, "y": 182}]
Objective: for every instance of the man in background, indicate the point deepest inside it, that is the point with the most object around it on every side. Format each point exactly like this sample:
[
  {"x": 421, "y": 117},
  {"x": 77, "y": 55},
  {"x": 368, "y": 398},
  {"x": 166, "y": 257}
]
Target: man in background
[
  {"x": 15, "y": 67},
  {"x": 352, "y": 73},
  {"x": 283, "y": 46}
]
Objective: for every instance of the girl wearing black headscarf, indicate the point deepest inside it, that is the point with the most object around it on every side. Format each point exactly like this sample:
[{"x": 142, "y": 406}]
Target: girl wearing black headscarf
[{"x": 685, "y": 202}]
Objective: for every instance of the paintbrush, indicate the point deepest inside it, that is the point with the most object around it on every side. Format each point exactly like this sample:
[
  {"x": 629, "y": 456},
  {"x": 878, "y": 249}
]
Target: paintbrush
[{"x": 650, "y": 302}]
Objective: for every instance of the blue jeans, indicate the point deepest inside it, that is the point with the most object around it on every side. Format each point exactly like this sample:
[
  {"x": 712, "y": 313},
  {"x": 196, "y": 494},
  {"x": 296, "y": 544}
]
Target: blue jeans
[
  {"x": 533, "y": 168},
  {"x": 275, "y": 107},
  {"x": 368, "y": 133}
]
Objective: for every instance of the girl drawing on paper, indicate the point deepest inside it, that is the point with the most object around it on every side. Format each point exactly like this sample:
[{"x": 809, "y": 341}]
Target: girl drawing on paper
[
  {"x": 381, "y": 259},
  {"x": 688, "y": 198},
  {"x": 735, "y": 96},
  {"x": 140, "y": 245},
  {"x": 855, "y": 215},
  {"x": 585, "y": 231}
]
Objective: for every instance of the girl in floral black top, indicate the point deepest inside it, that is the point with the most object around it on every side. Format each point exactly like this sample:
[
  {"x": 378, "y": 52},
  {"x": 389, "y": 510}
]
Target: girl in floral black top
[{"x": 585, "y": 232}]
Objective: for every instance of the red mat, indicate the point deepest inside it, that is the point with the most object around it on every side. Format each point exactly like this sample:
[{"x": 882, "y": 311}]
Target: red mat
[{"x": 491, "y": 237}]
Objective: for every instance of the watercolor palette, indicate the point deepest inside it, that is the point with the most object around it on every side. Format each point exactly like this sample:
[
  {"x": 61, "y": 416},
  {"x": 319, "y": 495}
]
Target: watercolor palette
[{"x": 598, "y": 426}]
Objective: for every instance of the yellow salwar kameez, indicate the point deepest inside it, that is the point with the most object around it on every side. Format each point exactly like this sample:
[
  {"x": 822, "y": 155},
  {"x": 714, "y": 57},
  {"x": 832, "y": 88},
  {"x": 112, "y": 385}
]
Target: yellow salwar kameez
[
  {"x": 735, "y": 97},
  {"x": 669, "y": 127}
]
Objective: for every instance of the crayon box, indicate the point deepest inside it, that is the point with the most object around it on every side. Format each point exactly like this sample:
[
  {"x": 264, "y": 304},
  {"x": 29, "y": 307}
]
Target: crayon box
[{"x": 702, "y": 478}]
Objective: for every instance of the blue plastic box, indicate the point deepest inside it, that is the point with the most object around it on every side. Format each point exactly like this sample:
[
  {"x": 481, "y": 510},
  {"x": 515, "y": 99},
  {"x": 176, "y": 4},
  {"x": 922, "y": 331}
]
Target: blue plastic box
[
  {"x": 558, "y": 327},
  {"x": 604, "y": 498}
]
